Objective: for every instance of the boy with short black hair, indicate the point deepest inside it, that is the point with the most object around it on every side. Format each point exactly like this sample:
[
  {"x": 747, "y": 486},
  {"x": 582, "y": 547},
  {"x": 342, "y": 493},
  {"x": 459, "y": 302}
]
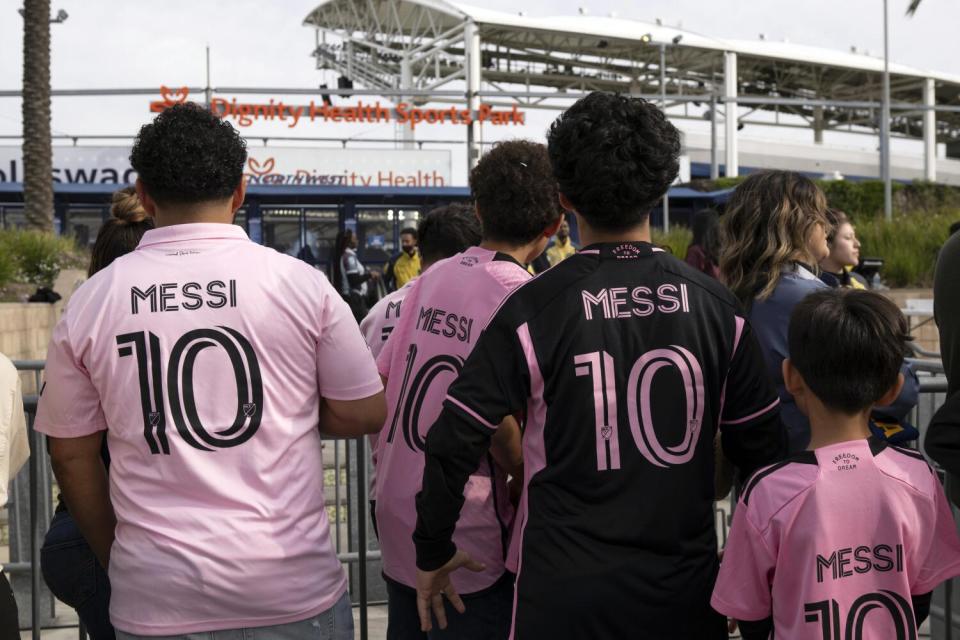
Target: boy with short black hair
[
  {"x": 853, "y": 534},
  {"x": 444, "y": 313}
]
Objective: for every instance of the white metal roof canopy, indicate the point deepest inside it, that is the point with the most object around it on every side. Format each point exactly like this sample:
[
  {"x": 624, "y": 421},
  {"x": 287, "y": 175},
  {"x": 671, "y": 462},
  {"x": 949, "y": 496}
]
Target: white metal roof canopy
[{"x": 419, "y": 44}]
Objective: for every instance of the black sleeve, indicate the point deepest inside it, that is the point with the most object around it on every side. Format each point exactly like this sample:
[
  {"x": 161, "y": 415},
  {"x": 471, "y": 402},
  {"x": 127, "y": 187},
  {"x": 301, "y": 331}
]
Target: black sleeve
[
  {"x": 388, "y": 276},
  {"x": 756, "y": 629},
  {"x": 921, "y": 606},
  {"x": 752, "y": 434},
  {"x": 455, "y": 445},
  {"x": 355, "y": 279},
  {"x": 942, "y": 443},
  {"x": 492, "y": 385}
]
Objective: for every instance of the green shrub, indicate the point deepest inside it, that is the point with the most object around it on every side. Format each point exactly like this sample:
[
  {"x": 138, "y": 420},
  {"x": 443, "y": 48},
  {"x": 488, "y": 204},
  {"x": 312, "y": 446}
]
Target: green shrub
[
  {"x": 38, "y": 257},
  {"x": 8, "y": 268},
  {"x": 676, "y": 240},
  {"x": 908, "y": 245}
]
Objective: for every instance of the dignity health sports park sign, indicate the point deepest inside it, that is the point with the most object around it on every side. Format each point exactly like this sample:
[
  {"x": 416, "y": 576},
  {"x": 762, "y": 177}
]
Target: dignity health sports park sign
[
  {"x": 402, "y": 113},
  {"x": 265, "y": 165}
]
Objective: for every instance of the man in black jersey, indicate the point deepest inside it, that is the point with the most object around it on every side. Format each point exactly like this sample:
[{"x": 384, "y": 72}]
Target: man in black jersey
[{"x": 624, "y": 362}]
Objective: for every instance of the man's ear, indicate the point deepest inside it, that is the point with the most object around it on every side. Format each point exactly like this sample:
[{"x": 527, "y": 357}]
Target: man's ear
[
  {"x": 566, "y": 204},
  {"x": 145, "y": 200},
  {"x": 239, "y": 194},
  {"x": 892, "y": 393}
]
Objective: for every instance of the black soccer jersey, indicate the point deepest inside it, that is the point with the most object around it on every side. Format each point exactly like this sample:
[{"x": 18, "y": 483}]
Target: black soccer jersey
[{"x": 624, "y": 362}]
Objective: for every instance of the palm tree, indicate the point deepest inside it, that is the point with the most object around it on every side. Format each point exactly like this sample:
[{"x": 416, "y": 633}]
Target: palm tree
[
  {"x": 912, "y": 9},
  {"x": 37, "y": 151}
]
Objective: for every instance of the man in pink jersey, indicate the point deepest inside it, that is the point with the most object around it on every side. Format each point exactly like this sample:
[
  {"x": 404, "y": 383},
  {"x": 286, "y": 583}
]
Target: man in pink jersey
[
  {"x": 443, "y": 315},
  {"x": 210, "y": 364},
  {"x": 846, "y": 540},
  {"x": 444, "y": 232}
]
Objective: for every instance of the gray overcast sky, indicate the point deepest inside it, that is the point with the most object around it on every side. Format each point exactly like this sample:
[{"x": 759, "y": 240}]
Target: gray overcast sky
[{"x": 136, "y": 43}]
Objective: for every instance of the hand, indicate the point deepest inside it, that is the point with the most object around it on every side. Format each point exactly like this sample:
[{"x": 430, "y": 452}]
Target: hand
[
  {"x": 374, "y": 275},
  {"x": 432, "y": 586}
]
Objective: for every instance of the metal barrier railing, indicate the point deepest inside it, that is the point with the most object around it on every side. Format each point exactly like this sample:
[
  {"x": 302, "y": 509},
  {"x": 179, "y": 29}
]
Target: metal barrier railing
[{"x": 350, "y": 507}]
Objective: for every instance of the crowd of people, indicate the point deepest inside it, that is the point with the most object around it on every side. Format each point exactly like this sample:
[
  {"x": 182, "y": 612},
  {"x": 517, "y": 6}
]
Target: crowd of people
[{"x": 547, "y": 438}]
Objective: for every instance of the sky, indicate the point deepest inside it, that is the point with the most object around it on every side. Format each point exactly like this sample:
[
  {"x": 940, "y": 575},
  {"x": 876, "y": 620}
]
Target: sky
[{"x": 137, "y": 43}]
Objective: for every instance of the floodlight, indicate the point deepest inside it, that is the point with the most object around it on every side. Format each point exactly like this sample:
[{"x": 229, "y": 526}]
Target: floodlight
[{"x": 646, "y": 38}]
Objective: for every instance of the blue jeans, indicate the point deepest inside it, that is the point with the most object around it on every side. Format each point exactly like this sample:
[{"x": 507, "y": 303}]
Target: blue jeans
[
  {"x": 336, "y": 623},
  {"x": 487, "y": 617},
  {"x": 75, "y": 576}
]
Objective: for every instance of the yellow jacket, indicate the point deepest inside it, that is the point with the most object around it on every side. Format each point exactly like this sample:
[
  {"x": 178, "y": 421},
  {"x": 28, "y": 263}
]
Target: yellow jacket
[
  {"x": 406, "y": 268},
  {"x": 560, "y": 252}
]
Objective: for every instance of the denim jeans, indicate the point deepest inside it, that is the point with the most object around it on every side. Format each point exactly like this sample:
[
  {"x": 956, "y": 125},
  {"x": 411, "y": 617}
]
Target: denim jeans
[
  {"x": 487, "y": 617},
  {"x": 75, "y": 576},
  {"x": 336, "y": 623}
]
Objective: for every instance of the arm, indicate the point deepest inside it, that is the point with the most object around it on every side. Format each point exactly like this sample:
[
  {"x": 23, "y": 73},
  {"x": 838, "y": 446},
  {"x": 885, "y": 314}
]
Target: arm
[
  {"x": 752, "y": 434},
  {"x": 353, "y": 418},
  {"x": 946, "y": 309},
  {"x": 353, "y": 402},
  {"x": 491, "y": 386},
  {"x": 506, "y": 447},
  {"x": 83, "y": 481}
]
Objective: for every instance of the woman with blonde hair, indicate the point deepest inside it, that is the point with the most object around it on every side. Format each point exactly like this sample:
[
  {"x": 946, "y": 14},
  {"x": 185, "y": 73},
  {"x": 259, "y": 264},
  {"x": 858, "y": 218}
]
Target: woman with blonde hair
[{"x": 774, "y": 235}]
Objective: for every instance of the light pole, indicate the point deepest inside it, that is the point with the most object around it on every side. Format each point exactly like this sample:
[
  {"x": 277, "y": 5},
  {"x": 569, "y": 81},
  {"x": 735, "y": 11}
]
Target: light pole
[{"x": 885, "y": 122}]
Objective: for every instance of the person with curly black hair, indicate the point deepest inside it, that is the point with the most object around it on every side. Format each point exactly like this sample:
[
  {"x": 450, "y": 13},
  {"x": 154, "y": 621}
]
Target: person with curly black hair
[
  {"x": 444, "y": 314},
  {"x": 187, "y": 155},
  {"x": 210, "y": 365},
  {"x": 625, "y": 361}
]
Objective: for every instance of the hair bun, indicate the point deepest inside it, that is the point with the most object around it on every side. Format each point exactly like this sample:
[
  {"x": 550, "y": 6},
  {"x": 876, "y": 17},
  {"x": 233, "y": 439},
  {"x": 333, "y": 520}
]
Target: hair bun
[{"x": 126, "y": 207}]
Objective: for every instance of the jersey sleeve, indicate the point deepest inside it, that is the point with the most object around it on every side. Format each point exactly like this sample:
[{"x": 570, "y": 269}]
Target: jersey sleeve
[
  {"x": 940, "y": 557},
  {"x": 69, "y": 403},
  {"x": 751, "y": 431},
  {"x": 491, "y": 386},
  {"x": 345, "y": 367},
  {"x": 742, "y": 590}
]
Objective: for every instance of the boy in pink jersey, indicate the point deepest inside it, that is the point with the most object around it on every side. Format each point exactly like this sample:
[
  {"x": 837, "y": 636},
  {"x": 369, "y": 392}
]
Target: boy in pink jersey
[
  {"x": 443, "y": 316},
  {"x": 210, "y": 364},
  {"x": 444, "y": 232},
  {"x": 847, "y": 540}
]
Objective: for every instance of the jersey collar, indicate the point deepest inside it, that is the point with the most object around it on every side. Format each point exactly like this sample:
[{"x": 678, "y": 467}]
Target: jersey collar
[
  {"x": 621, "y": 250},
  {"x": 194, "y": 231}
]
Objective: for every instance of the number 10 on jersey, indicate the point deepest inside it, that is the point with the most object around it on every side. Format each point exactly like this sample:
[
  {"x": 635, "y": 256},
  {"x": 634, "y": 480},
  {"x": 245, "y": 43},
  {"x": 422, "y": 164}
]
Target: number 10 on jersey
[
  {"x": 179, "y": 387},
  {"x": 601, "y": 368}
]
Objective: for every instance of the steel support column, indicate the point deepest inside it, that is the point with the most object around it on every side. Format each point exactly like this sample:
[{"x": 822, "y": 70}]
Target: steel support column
[
  {"x": 929, "y": 130},
  {"x": 471, "y": 38},
  {"x": 730, "y": 121}
]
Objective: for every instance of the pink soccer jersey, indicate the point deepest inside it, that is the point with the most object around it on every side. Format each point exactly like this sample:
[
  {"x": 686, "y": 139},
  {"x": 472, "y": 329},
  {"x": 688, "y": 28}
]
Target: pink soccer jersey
[
  {"x": 443, "y": 315},
  {"x": 205, "y": 356},
  {"x": 376, "y": 328},
  {"x": 833, "y": 543}
]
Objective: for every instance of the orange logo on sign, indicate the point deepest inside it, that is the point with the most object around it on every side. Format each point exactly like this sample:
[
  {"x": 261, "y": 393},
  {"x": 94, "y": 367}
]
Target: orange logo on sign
[{"x": 261, "y": 169}]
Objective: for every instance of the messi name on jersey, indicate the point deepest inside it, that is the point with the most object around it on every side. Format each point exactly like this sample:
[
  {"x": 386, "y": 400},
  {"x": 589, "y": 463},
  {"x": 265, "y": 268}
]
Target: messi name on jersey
[
  {"x": 639, "y": 302},
  {"x": 172, "y": 296},
  {"x": 844, "y": 563},
  {"x": 441, "y": 323}
]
